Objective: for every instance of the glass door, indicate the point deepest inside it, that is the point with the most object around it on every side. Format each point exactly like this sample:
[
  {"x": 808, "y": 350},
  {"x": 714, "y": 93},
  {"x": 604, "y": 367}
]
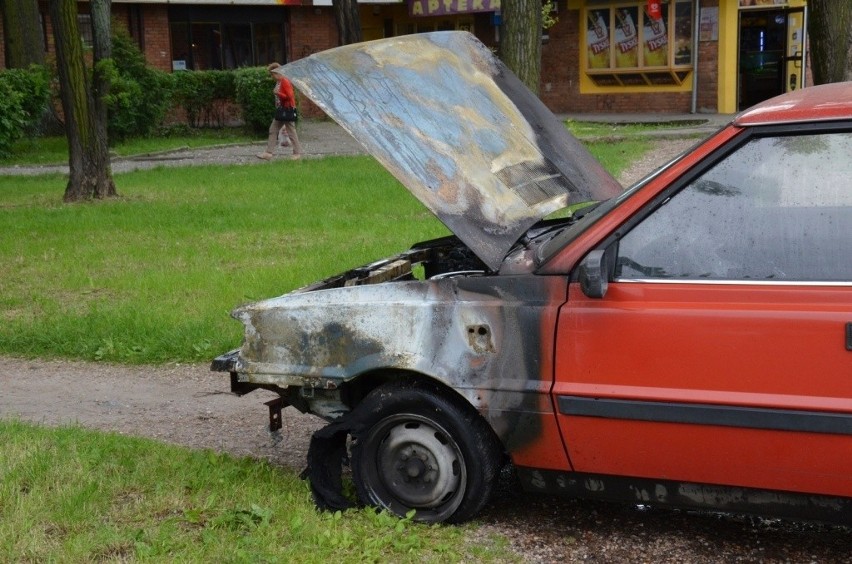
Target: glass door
[{"x": 795, "y": 59}]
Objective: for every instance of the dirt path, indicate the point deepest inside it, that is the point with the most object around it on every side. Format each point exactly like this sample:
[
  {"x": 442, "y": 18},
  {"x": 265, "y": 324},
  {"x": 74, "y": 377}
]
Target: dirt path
[
  {"x": 191, "y": 406},
  {"x": 182, "y": 404},
  {"x": 320, "y": 138}
]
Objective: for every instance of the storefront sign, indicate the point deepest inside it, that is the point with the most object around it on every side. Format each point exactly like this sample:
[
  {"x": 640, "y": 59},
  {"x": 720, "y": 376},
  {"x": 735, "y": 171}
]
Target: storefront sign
[{"x": 445, "y": 7}]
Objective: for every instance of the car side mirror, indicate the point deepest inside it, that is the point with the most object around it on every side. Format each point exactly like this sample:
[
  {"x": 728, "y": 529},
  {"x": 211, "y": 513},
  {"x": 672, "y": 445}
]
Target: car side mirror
[{"x": 593, "y": 274}]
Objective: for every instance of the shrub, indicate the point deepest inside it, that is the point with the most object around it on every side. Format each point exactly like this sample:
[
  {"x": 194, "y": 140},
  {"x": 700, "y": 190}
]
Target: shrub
[
  {"x": 139, "y": 96},
  {"x": 34, "y": 86},
  {"x": 24, "y": 95},
  {"x": 12, "y": 117},
  {"x": 204, "y": 95},
  {"x": 254, "y": 95}
]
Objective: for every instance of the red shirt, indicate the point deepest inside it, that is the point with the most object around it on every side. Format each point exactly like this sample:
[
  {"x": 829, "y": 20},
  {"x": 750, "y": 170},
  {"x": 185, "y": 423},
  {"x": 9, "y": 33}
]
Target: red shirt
[{"x": 284, "y": 95}]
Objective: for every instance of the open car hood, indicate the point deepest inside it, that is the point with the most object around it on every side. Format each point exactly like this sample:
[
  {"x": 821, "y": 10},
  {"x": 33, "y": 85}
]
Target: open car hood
[{"x": 452, "y": 123}]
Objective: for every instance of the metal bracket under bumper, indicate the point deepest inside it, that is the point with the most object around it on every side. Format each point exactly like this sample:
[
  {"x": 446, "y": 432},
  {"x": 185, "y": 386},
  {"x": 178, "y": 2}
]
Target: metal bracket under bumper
[
  {"x": 275, "y": 407},
  {"x": 226, "y": 362}
]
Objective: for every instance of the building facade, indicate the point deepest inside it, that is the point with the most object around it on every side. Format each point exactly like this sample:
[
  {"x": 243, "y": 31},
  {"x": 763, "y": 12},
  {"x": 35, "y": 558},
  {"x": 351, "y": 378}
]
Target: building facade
[{"x": 613, "y": 56}]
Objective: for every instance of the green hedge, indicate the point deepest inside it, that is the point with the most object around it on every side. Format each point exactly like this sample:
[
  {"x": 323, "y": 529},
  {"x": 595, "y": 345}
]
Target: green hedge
[
  {"x": 140, "y": 96},
  {"x": 24, "y": 95},
  {"x": 204, "y": 96},
  {"x": 254, "y": 95}
]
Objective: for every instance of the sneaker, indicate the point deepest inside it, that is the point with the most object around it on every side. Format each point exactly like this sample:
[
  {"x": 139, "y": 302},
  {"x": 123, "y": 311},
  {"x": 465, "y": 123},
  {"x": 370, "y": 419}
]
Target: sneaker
[{"x": 265, "y": 156}]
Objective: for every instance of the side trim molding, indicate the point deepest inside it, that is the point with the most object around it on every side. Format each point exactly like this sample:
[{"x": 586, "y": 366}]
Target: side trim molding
[{"x": 700, "y": 414}]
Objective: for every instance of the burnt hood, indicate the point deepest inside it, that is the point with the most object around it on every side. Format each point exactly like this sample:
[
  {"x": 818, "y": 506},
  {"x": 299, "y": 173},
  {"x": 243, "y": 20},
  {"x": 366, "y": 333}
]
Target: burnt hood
[{"x": 451, "y": 122}]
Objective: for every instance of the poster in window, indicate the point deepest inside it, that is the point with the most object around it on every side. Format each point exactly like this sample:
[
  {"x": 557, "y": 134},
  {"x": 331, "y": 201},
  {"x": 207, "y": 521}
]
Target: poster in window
[
  {"x": 626, "y": 38},
  {"x": 597, "y": 39},
  {"x": 683, "y": 33},
  {"x": 655, "y": 39}
]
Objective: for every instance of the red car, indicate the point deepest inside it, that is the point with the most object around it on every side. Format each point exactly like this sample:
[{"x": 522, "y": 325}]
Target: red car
[{"x": 686, "y": 342}]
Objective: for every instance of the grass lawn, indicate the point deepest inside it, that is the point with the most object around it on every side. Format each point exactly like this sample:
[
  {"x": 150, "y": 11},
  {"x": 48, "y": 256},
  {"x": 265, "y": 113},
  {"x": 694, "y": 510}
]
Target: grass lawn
[
  {"x": 150, "y": 277},
  {"x": 601, "y": 130},
  {"x": 71, "y": 495}
]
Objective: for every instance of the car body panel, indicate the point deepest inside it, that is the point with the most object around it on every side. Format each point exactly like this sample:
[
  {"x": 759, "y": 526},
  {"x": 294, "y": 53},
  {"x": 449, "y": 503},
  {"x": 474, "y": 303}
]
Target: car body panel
[
  {"x": 712, "y": 392},
  {"x": 489, "y": 338},
  {"x": 459, "y": 130}
]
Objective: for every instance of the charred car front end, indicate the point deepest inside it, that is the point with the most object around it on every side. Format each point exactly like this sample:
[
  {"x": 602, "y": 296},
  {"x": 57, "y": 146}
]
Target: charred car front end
[{"x": 435, "y": 367}]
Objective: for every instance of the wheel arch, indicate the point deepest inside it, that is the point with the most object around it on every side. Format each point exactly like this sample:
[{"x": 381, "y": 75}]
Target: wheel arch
[{"x": 355, "y": 390}]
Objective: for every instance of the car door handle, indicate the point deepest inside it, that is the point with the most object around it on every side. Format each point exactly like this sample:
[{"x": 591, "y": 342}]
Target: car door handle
[{"x": 849, "y": 336}]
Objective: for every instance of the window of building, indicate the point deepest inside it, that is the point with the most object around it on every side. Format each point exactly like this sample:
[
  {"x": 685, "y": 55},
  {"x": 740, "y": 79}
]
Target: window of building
[
  {"x": 206, "y": 46},
  {"x": 180, "y": 46},
  {"x": 84, "y": 24},
  {"x": 626, "y": 46},
  {"x": 226, "y": 37},
  {"x": 753, "y": 217},
  {"x": 269, "y": 43}
]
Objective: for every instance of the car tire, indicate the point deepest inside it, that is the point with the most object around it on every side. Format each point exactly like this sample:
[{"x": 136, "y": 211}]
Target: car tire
[{"x": 421, "y": 448}]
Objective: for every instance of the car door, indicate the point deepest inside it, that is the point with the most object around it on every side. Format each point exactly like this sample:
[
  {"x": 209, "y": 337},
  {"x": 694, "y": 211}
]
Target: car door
[{"x": 721, "y": 351}]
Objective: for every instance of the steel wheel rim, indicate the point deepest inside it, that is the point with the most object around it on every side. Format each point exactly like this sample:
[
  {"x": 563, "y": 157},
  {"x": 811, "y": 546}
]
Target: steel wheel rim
[{"x": 417, "y": 465}]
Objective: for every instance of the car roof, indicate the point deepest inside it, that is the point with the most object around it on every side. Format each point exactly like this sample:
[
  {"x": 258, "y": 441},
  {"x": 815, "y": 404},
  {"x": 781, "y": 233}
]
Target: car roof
[{"x": 826, "y": 102}]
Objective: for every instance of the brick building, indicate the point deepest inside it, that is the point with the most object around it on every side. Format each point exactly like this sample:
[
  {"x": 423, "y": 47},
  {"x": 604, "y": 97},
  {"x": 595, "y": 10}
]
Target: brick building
[{"x": 672, "y": 56}]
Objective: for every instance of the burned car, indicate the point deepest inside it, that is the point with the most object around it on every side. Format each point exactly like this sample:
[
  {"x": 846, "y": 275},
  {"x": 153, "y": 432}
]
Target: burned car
[{"x": 686, "y": 342}]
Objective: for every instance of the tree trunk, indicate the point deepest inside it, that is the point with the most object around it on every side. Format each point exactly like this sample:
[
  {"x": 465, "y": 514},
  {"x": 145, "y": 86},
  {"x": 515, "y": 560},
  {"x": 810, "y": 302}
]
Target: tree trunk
[
  {"x": 520, "y": 40},
  {"x": 88, "y": 155},
  {"x": 22, "y": 32},
  {"x": 348, "y": 21},
  {"x": 830, "y": 39},
  {"x": 102, "y": 53}
]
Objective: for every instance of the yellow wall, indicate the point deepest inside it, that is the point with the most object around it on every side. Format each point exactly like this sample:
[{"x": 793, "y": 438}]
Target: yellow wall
[{"x": 729, "y": 25}]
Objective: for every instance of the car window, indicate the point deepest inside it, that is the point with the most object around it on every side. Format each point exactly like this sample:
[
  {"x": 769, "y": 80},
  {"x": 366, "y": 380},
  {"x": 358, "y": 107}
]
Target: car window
[{"x": 778, "y": 208}]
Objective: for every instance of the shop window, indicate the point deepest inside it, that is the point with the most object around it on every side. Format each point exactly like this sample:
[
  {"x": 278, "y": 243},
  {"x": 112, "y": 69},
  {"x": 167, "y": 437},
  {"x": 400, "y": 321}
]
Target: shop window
[
  {"x": 225, "y": 46},
  {"x": 626, "y": 46},
  {"x": 196, "y": 46},
  {"x": 206, "y": 46},
  {"x": 269, "y": 44},
  {"x": 236, "y": 46},
  {"x": 180, "y": 46}
]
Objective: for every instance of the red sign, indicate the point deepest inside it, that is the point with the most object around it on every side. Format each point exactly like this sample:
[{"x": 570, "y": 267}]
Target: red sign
[
  {"x": 654, "y": 9},
  {"x": 444, "y": 7}
]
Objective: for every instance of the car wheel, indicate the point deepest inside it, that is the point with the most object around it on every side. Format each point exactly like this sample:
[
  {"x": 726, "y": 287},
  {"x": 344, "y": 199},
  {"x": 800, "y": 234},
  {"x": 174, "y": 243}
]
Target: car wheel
[{"x": 419, "y": 448}]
